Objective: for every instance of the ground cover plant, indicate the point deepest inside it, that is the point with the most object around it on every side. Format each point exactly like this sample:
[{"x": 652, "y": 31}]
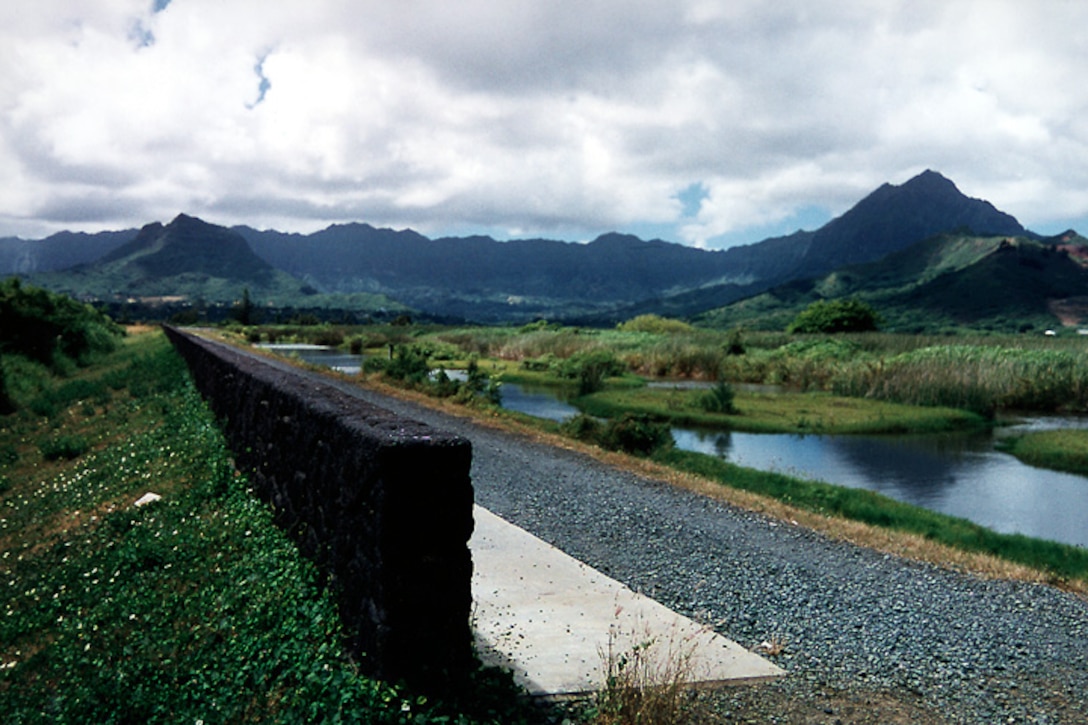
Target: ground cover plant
[
  {"x": 1061, "y": 450},
  {"x": 191, "y": 608}
]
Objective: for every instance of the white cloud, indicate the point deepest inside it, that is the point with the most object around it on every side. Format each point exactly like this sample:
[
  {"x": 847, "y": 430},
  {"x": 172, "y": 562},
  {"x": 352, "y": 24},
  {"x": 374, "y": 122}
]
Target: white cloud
[{"x": 552, "y": 118}]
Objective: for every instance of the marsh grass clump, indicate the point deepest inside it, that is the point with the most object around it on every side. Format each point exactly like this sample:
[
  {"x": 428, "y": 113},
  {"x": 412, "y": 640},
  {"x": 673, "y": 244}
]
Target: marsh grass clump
[
  {"x": 719, "y": 399},
  {"x": 980, "y": 378},
  {"x": 1061, "y": 450}
]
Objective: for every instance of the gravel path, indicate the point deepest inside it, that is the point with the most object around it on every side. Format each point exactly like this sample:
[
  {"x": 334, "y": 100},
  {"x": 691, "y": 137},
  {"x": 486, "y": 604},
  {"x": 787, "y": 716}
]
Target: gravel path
[{"x": 866, "y": 637}]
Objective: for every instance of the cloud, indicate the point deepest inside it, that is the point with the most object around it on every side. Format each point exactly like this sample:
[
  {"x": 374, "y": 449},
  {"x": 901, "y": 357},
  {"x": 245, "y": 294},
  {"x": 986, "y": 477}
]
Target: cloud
[{"x": 555, "y": 118}]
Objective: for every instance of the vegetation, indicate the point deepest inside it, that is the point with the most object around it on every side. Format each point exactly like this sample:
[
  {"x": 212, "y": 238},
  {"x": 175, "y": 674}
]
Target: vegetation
[
  {"x": 655, "y": 324},
  {"x": 51, "y": 329},
  {"x": 830, "y": 316},
  {"x": 718, "y": 399},
  {"x": 192, "y": 608},
  {"x": 1061, "y": 450},
  {"x": 777, "y": 412},
  {"x": 639, "y": 435},
  {"x": 842, "y": 383}
]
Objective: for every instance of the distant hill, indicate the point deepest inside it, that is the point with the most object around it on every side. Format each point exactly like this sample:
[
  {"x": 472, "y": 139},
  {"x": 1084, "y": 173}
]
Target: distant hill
[
  {"x": 615, "y": 276},
  {"x": 998, "y": 283},
  {"x": 59, "y": 251},
  {"x": 189, "y": 261},
  {"x": 480, "y": 279}
]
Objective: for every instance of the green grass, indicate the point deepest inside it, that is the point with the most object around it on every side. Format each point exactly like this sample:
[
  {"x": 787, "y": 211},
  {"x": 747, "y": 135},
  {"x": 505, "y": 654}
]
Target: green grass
[
  {"x": 193, "y": 608},
  {"x": 779, "y": 412},
  {"x": 1060, "y": 450},
  {"x": 1061, "y": 561}
]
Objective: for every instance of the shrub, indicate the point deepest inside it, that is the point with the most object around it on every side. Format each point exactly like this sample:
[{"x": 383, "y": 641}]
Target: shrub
[
  {"x": 734, "y": 344},
  {"x": 718, "y": 399},
  {"x": 655, "y": 324},
  {"x": 330, "y": 337},
  {"x": 50, "y": 328},
  {"x": 590, "y": 368},
  {"x": 582, "y": 427},
  {"x": 64, "y": 446},
  {"x": 637, "y": 434},
  {"x": 409, "y": 364},
  {"x": 7, "y": 405},
  {"x": 850, "y": 315}
]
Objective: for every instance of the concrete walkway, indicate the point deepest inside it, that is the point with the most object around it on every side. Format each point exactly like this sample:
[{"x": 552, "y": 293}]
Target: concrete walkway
[{"x": 553, "y": 620}]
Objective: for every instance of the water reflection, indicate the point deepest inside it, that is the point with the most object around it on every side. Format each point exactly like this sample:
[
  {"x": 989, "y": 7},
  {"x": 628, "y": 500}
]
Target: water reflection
[
  {"x": 330, "y": 357},
  {"x": 956, "y": 474},
  {"x": 538, "y": 401}
]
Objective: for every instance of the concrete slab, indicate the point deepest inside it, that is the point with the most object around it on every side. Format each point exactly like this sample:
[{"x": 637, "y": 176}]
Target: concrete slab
[{"x": 553, "y": 620}]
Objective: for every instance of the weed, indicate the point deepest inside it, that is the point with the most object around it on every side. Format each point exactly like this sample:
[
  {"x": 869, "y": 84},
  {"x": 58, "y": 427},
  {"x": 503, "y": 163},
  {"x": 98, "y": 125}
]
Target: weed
[{"x": 648, "y": 682}]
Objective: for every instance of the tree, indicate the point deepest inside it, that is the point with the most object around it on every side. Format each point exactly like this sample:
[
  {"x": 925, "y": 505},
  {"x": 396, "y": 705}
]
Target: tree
[
  {"x": 243, "y": 311},
  {"x": 851, "y": 315},
  {"x": 49, "y": 328}
]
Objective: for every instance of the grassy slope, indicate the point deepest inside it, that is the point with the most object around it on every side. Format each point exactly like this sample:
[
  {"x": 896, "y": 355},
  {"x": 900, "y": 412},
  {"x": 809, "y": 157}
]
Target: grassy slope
[
  {"x": 939, "y": 283},
  {"x": 191, "y": 608}
]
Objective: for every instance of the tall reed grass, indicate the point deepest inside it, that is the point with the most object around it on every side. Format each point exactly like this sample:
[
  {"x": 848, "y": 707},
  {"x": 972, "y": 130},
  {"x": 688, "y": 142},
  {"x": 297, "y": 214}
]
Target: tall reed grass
[{"x": 977, "y": 378}]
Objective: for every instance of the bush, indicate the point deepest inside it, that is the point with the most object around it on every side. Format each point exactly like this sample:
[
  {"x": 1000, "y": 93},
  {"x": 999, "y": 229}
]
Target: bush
[
  {"x": 655, "y": 324},
  {"x": 330, "y": 337},
  {"x": 590, "y": 368},
  {"x": 719, "y": 399},
  {"x": 409, "y": 364},
  {"x": 7, "y": 405},
  {"x": 831, "y": 316},
  {"x": 637, "y": 434},
  {"x": 52, "y": 329},
  {"x": 64, "y": 446},
  {"x": 582, "y": 427},
  {"x": 734, "y": 344}
]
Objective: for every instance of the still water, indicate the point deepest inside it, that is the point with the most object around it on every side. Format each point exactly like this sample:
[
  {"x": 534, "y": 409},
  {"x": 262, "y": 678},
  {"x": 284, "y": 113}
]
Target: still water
[
  {"x": 959, "y": 474},
  {"x": 319, "y": 355}
]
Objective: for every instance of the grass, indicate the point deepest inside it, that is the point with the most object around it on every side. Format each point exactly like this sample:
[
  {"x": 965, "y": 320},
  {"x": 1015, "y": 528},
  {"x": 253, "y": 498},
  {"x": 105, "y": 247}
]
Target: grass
[
  {"x": 780, "y": 412},
  {"x": 649, "y": 680},
  {"x": 193, "y": 608},
  {"x": 1060, "y": 450}
]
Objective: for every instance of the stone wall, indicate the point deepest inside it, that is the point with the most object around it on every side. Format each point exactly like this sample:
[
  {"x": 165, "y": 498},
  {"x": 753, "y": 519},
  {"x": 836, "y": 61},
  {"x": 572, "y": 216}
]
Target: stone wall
[{"x": 382, "y": 504}]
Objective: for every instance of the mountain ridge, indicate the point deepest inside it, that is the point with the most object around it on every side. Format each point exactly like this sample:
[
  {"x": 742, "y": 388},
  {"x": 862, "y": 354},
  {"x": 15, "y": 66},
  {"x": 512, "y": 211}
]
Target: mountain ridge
[{"x": 608, "y": 279}]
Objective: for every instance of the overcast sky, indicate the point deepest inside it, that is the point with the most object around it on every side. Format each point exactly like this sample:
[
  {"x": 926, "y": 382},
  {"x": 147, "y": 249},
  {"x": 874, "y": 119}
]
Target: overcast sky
[{"x": 708, "y": 122}]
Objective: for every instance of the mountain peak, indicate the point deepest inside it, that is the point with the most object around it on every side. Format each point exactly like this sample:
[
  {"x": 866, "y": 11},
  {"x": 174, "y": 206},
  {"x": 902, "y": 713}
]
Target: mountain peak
[
  {"x": 894, "y": 217},
  {"x": 931, "y": 181},
  {"x": 190, "y": 245}
]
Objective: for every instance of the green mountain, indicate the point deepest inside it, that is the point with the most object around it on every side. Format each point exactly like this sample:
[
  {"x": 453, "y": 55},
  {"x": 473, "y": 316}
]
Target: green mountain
[
  {"x": 947, "y": 281},
  {"x": 190, "y": 262},
  {"x": 612, "y": 278}
]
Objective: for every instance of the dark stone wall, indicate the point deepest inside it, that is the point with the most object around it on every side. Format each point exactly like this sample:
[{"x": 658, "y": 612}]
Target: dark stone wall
[{"x": 382, "y": 504}]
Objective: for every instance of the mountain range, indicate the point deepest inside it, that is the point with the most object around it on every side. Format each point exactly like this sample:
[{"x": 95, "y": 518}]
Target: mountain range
[{"x": 366, "y": 269}]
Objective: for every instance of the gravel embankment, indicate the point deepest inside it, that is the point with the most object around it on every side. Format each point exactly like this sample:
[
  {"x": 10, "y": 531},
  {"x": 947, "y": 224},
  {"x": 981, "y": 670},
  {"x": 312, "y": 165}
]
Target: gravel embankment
[{"x": 866, "y": 637}]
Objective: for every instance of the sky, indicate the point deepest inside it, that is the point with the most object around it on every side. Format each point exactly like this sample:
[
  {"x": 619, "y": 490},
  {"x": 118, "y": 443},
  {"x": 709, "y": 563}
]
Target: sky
[{"x": 706, "y": 122}]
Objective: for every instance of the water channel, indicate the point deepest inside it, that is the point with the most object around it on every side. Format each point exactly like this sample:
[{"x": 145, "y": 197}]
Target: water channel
[{"x": 960, "y": 474}]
